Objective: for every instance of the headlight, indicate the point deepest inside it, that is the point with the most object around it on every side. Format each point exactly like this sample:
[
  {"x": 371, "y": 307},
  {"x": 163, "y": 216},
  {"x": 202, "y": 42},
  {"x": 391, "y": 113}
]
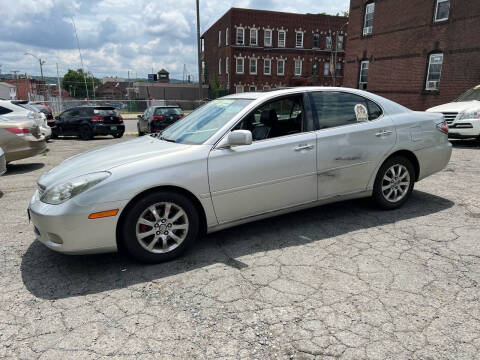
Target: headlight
[
  {"x": 469, "y": 114},
  {"x": 60, "y": 193}
]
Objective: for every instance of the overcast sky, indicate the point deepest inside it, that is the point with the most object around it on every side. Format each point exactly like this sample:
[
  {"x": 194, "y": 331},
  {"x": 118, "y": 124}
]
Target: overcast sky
[{"x": 119, "y": 35}]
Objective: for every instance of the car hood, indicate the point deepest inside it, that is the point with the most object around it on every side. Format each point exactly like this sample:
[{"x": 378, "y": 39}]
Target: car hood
[
  {"x": 455, "y": 106},
  {"x": 109, "y": 157}
]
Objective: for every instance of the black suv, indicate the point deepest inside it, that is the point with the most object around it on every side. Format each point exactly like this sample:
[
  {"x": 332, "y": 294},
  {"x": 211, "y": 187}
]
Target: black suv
[
  {"x": 157, "y": 118},
  {"x": 88, "y": 121}
]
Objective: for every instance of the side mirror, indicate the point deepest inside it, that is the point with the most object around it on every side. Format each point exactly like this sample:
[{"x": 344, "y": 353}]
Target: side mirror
[{"x": 236, "y": 138}]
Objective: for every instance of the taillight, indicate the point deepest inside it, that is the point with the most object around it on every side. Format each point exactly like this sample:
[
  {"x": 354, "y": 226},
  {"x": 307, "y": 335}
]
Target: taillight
[
  {"x": 120, "y": 118},
  {"x": 96, "y": 118},
  {"x": 443, "y": 127},
  {"x": 18, "y": 131},
  {"x": 157, "y": 118},
  {"x": 180, "y": 116}
]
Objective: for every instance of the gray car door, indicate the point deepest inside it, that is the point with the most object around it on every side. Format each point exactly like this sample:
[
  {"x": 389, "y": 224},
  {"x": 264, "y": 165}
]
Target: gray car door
[
  {"x": 353, "y": 136},
  {"x": 276, "y": 171}
]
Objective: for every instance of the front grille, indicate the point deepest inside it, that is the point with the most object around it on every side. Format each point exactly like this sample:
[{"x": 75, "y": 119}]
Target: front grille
[
  {"x": 450, "y": 116},
  {"x": 41, "y": 189}
]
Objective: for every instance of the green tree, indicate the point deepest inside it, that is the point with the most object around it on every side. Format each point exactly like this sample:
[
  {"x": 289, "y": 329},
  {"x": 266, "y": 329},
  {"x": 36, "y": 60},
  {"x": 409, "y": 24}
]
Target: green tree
[{"x": 73, "y": 81}]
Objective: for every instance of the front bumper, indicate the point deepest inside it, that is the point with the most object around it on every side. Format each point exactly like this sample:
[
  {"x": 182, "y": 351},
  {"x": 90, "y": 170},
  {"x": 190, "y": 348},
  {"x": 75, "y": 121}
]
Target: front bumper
[
  {"x": 464, "y": 129},
  {"x": 108, "y": 129},
  {"x": 66, "y": 228}
]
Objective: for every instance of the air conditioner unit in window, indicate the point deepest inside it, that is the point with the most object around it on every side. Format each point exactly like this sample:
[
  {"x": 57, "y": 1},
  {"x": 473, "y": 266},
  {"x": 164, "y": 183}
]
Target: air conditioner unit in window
[
  {"x": 432, "y": 85},
  {"x": 367, "y": 30}
]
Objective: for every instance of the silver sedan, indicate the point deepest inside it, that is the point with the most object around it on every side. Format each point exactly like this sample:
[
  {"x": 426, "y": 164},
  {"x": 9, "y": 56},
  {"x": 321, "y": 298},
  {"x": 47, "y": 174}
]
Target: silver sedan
[{"x": 237, "y": 159}]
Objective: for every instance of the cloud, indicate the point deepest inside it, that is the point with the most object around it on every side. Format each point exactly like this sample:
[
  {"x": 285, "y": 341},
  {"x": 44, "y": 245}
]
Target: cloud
[{"x": 119, "y": 35}]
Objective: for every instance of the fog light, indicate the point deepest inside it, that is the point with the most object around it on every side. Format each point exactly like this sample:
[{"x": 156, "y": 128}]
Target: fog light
[{"x": 55, "y": 238}]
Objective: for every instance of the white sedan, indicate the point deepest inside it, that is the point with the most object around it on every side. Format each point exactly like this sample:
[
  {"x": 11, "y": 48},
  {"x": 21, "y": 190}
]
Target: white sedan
[{"x": 234, "y": 160}]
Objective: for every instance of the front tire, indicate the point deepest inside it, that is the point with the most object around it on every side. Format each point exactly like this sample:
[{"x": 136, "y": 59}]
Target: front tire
[
  {"x": 86, "y": 133},
  {"x": 159, "y": 227},
  {"x": 394, "y": 183}
]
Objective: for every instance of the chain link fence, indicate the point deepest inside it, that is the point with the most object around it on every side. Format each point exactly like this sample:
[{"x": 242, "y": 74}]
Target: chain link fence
[{"x": 123, "y": 106}]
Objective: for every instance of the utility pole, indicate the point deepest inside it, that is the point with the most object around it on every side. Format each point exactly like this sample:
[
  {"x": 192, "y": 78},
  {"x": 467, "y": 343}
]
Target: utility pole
[
  {"x": 81, "y": 59},
  {"x": 59, "y": 90},
  {"x": 41, "y": 62},
  {"x": 199, "y": 46},
  {"x": 16, "y": 81}
]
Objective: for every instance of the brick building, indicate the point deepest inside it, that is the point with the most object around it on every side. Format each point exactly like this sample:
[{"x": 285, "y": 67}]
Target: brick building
[
  {"x": 420, "y": 53},
  {"x": 248, "y": 50}
]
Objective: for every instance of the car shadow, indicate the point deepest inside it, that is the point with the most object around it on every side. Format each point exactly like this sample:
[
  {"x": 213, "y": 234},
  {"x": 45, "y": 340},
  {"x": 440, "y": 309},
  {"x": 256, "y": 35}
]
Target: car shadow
[
  {"x": 50, "y": 275},
  {"x": 466, "y": 144},
  {"x": 16, "y": 169}
]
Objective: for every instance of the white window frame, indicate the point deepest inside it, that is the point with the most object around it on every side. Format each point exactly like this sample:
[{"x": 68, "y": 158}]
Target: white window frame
[
  {"x": 239, "y": 89},
  {"x": 362, "y": 68},
  {"x": 267, "y": 87},
  {"x": 237, "y": 63},
  {"x": 340, "y": 42},
  {"x": 227, "y": 34},
  {"x": 428, "y": 82},
  {"x": 326, "y": 70},
  {"x": 220, "y": 66},
  {"x": 327, "y": 43},
  {"x": 255, "y": 31},
  {"x": 295, "y": 72},
  {"x": 265, "y": 32},
  {"x": 369, "y": 9},
  {"x": 219, "y": 38},
  {"x": 265, "y": 61},
  {"x": 282, "y": 44},
  {"x": 436, "y": 11},
  {"x": 243, "y": 35},
  {"x": 252, "y": 88},
  {"x": 298, "y": 44},
  {"x": 283, "y": 67},
  {"x": 227, "y": 60},
  {"x": 250, "y": 63},
  {"x": 313, "y": 40}
]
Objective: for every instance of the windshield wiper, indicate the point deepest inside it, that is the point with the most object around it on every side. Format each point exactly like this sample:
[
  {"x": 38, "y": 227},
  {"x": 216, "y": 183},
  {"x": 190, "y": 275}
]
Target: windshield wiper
[{"x": 167, "y": 139}]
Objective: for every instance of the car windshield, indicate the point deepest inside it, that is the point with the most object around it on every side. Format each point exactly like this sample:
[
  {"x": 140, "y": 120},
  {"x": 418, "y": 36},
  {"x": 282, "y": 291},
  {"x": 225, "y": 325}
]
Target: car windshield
[
  {"x": 202, "y": 123},
  {"x": 168, "y": 111},
  {"x": 470, "y": 95}
]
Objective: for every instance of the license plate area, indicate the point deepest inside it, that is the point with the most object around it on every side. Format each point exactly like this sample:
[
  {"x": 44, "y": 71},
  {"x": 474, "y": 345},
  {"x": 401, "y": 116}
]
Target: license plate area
[{"x": 113, "y": 128}]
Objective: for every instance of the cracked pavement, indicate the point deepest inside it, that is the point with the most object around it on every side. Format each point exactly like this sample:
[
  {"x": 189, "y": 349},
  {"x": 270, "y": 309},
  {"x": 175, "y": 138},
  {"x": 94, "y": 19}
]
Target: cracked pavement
[{"x": 343, "y": 281}]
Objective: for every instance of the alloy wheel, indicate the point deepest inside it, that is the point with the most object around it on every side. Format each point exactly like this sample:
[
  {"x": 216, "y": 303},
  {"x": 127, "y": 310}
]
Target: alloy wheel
[
  {"x": 162, "y": 227},
  {"x": 395, "y": 183}
]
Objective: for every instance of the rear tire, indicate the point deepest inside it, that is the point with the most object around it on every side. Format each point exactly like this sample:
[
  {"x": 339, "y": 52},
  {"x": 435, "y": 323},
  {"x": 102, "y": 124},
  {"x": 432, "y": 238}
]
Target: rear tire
[
  {"x": 164, "y": 234},
  {"x": 86, "y": 133},
  {"x": 394, "y": 183}
]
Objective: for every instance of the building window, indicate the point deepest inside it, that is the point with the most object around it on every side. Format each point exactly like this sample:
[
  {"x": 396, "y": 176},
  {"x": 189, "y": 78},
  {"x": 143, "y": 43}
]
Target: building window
[
  {"x": 328, "y": 42},
  {"x": 266, "y": 87},
  {"x": 240, "y": 36},
  {"x": 368, "y": 21},
  {"x": 338, "y": 69},
  {"x": 219, "y": 66},
  {"x": 281, "y": 38},
  {"x": 434, "y": 72},
  {"x": 442, "y": 10},
  {"x": 340, "y": 42},
  {"x": 253, "y": 66},
  {"x": 280, "y": 67},
  {"x": 298, "y": 68},
  {"x": 227, "y": 36},
  {"x": 219, "y": 38},
  {"x": 267, "y": 66},
  {"x": 326, "y": 68},
  {"x": 254, "y": 37},
  {"x": 299, "y": 39},
  {"x": 226, "y": 65},
  {"x": 252, "y": 88},
  {"x": 239, "y": 67},
  {"x": 267, "y": 37},
  {"x": 316, "y": 40},
  {"x": 239, "y": 89},
  {"x": 363, "y": 78}
]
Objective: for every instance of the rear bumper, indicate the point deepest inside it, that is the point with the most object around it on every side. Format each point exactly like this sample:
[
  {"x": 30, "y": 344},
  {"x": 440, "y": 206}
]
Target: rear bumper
[
  {"x": 25, "y": 149},
  {"x": 108, "y": 129},
  {"x": 433, "y": 159}
]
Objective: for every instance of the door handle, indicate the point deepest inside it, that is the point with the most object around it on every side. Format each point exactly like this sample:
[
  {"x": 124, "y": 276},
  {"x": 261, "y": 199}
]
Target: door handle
[
  {"x": 304, "y": 147},
  {"x": 383, "y": 133}
]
